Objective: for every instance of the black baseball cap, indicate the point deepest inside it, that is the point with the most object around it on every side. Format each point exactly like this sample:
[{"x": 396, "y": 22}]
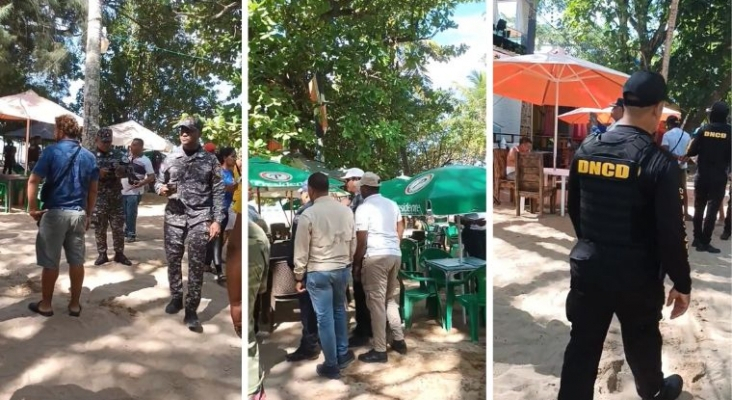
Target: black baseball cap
[
  {"x": 719, "y": 107},
  {"x": 618, "y": 103},
  {"x": 673, "y": 120},
  {"x": 644, "y": 89}
]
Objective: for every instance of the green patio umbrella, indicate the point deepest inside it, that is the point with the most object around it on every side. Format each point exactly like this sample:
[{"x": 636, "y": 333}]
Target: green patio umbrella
[
  {"x": 275, "y": 180},
  {"x": 450, "y": 190}
]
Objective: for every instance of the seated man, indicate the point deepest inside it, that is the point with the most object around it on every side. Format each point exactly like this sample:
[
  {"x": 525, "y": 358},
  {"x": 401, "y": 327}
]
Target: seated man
[{"x": 524, "y": 146}]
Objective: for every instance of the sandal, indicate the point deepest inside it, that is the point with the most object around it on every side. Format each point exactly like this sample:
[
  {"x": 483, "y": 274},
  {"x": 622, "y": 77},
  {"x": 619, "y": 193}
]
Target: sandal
[
  {"x": 34, "y": 307},
  {"x": 75, "y": 313}
]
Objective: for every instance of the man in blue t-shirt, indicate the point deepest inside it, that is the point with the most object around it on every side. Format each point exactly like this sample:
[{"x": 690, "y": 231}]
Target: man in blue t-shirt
[
  {"x": 675, "y": 140},
  {"x": 69, "y": 196}
]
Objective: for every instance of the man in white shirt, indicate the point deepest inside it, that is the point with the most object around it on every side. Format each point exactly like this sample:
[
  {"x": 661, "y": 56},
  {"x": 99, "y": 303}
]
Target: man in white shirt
[
  {"x": 675, "y": 140},
  {"x": 379, "y": 230},
  {"x": 618, "y": 109},
  {"x": 133, "y": 187},
  {"x": 324, "y": 247}
]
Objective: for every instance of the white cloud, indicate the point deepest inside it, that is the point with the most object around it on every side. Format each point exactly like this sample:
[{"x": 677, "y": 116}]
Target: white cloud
[{"x": 471, "y": 32}]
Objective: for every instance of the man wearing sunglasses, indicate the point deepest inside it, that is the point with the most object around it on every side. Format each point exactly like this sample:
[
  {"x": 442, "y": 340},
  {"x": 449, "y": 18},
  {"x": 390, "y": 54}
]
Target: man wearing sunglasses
[{"x": 191, "y": 180}]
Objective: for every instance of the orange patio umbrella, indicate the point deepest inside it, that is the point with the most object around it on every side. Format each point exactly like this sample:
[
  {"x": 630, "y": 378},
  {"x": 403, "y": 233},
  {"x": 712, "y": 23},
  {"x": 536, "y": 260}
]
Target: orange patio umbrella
[
  {"x": 582, "y": 115},
  {"x": 556, "y": 79}
]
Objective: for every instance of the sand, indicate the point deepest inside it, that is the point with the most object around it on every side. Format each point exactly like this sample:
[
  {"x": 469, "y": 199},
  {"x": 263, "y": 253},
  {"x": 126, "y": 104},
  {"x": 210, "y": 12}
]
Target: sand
[
  {"x": 439, "y": 365},
  {"x": 123, "y": 346},
  {"x": 531, "y": 282}
]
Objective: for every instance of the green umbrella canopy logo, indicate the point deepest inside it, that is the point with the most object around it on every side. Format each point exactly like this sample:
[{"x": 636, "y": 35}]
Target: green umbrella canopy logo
[
  {"x": 276, "y": 176},
  {"x": 418, "y": 184}
]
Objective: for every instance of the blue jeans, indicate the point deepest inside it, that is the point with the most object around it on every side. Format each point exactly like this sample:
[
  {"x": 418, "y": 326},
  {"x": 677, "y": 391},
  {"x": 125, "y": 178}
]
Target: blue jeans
[
  {"x": 328, "y": 292},
  {"x": 131, "y": 203}
]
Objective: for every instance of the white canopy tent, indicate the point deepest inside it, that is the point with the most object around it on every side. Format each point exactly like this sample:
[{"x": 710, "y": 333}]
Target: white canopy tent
[
  {"x": 29, "y": 106},
  {"x": 125, "y": 132}
]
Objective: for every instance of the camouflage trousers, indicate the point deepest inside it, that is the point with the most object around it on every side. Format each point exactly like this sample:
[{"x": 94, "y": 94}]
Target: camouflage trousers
[
  {"x": 109, "y": 211},
  {"x": 174, "y": 238}
]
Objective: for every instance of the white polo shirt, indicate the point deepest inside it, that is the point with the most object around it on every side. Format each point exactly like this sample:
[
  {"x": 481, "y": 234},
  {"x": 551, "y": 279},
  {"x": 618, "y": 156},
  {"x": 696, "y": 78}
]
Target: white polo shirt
[{"x": 379, "y": 216}]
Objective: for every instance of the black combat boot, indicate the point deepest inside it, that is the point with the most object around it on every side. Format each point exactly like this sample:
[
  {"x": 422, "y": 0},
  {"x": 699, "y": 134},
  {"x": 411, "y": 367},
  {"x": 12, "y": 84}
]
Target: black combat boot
[
  {"x": 102, "y": 259},
  {"x": 119, "y": 257},
  {"x": 191, "y": 319},
  {"x": 671, "y": 390},
  {"x": 175, "y": 305}
]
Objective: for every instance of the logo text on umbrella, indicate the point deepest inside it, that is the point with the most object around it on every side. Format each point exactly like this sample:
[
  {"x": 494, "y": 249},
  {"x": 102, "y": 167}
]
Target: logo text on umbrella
[
  {"x": 418, "y": 184},
  {"x": 276, "y": 176}
]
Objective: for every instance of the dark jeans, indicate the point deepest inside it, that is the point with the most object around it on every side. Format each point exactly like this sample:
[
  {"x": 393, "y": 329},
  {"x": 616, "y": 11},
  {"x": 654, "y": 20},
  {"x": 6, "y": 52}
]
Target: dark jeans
[
  {"x": 363, "y": 316},
  {"x": 708, "y": 194},
  {"x": 131, "y": 205},
  {"x": 309, "y": 340},
  {"x": 590, "y": 314}
]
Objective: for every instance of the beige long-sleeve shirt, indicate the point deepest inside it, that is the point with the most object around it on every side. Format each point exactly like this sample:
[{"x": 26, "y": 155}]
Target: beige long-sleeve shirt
[{"x": 325, "y": 238}]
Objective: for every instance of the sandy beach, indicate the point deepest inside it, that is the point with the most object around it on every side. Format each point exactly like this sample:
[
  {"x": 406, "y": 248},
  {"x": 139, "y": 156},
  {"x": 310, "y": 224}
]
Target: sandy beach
[
  {"x": 531, "y": 282},
  {"x": 123, "y": 346},
  {"x": 439, "y": 365}
]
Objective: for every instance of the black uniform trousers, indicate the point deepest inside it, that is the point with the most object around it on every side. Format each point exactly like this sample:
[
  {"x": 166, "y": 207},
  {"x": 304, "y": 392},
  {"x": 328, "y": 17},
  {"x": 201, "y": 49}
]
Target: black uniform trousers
[
  {"x": 363, "y": 315},
  {"x": 728, "y": 217},
  {"x": 708, "y": 195},
  {"x": 590, "y": 313}
]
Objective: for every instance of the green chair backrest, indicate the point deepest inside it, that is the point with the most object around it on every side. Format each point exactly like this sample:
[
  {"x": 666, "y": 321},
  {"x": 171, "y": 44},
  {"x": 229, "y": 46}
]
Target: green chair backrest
[
  {"x": 433, "y": 254},
  {"x": 409, "y": 253},
  {"x": 479, "y": 274},
  {"x": 452, "y": 230}
]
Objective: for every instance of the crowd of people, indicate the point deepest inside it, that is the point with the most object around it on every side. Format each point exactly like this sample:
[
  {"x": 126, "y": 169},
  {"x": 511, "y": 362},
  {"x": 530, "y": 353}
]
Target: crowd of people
[{"x": 78, "y": 188}]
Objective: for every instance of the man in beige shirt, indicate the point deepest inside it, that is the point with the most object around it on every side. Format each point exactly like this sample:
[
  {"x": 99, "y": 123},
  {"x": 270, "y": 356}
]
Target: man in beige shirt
[{"x": 324, "y": 246}]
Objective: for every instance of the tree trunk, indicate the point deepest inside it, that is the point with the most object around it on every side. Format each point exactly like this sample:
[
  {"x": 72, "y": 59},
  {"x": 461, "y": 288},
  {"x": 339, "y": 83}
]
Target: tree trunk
[
  {"x": 673, "y": 12},
  {"x": 91, "y": 71},
  {"x": 405, "y": 161}
]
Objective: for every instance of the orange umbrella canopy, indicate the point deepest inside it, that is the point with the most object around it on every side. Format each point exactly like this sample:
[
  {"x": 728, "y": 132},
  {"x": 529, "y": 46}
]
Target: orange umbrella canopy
[
  {"x": 582, "y": 115},
  {"x": 556, "y": 79}
]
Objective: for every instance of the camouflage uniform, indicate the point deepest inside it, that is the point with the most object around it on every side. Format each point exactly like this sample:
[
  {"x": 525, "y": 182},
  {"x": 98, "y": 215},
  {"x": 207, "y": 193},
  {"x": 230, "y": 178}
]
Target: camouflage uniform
[
  {"x": 109, "y": 209},
  {"x": 198, "y": 200},
  {"x": 257, "y": 271}
]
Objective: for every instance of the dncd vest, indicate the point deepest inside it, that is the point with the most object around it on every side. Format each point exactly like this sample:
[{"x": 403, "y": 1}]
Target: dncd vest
[{"x": 612, "y": 201}]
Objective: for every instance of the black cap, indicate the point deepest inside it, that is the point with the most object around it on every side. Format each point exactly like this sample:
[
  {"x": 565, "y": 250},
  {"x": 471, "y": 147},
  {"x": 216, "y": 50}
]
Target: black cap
[
  {"x": 618, "y": 103},
  {"x": 673, "y": 120},
  {"x": 192, "y": 123},
  {"x": 644, "y": 89},
  {"x": 719, "y": 107}
]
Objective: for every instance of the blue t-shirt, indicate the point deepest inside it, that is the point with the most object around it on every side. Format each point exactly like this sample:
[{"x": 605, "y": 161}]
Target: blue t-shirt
[
  {"x": 228, "y": 178},
  {"x": 70, "y": 191}
]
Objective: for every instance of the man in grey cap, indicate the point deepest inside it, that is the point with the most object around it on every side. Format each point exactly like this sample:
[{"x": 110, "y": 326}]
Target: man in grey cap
[
  {"x": 379, "y": 229},
  {"x": 191, "y": 180},
  {"x": 113, "y": 166}
]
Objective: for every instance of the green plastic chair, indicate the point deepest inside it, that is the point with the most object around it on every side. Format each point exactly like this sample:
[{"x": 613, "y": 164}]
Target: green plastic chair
[
  {"x": 409, "y": 254},
  {"x": 427, "y": 291},
  {"x": 4, "y": 197},
  {"x": 473, "y": 303},
  {"x": 441, "y": 282}
]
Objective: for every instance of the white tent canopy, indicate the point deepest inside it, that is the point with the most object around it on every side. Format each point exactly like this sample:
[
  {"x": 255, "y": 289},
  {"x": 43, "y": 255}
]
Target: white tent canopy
[
  {"x": 125, "y": 132},
  {"x": 29, "y": 106}
]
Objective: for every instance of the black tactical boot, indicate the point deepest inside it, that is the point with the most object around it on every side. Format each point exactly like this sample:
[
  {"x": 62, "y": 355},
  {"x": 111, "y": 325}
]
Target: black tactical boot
[
  {"x": 191, "y": 320},
  {"x": 102, "y": 259},
  {"x": 122, "y": 259},
  {"x": 373, "y": 356},
  {"x": 672, "y": 387},
  {"x": 175, "y": 305}
]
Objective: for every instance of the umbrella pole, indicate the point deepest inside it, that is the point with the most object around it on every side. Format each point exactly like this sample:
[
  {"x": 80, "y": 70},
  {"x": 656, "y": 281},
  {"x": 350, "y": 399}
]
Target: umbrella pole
[
  {"x": 259, "y": 203},
  {"x": 460, "y": 237},
  {"x": 556, "y": 122},
  {"x": 27, "y": 139}
]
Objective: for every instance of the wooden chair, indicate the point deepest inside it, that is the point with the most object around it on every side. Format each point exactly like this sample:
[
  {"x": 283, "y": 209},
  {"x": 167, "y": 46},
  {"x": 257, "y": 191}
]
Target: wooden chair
[
  {"x": 530, "y": 182},
  {"x": 500, "y": 182}
]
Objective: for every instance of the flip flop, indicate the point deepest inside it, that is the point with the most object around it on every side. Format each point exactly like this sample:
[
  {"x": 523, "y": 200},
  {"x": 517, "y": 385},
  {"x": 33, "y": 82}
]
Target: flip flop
[
  {"x": 75, "y": 313},
  {"x": 34, "y": 307}
]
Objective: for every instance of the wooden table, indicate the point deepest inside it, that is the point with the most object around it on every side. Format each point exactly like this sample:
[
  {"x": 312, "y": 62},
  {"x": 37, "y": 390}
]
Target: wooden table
[
  {"x": 563, "y": 174},
  {"x": 11, "y": 181},
  {"x": 450, "y": 267}
]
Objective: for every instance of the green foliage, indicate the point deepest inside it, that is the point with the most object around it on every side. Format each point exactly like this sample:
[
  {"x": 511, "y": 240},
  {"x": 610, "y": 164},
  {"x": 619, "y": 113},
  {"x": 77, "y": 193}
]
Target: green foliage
[
  {"x": 628, "y": 35},
  {"x": 370, "y": 59}
]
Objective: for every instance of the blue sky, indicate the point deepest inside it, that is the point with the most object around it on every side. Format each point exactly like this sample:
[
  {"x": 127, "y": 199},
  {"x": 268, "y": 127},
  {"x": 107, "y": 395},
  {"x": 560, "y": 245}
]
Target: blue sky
[{"x": 471, "y": 31}]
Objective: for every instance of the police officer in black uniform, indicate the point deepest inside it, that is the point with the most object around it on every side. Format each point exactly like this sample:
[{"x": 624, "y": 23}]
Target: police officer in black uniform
[
  {"x": 625, "y": 206},
  {"x": 713, "y": 147}
]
